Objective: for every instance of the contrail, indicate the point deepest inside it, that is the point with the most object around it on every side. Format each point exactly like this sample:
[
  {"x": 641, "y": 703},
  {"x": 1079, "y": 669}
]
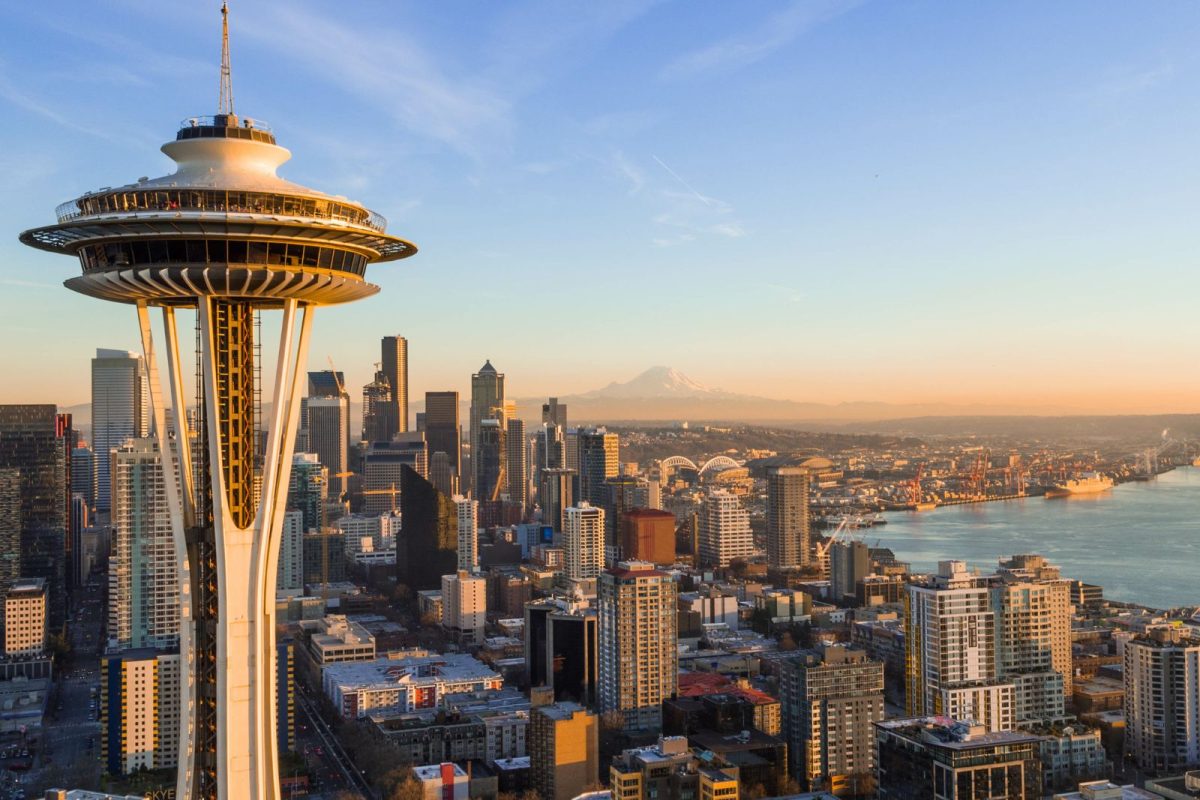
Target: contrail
[{"x": 686, "y": 185}]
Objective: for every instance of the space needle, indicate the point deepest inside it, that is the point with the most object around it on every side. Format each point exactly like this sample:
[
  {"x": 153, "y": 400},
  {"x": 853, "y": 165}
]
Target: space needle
[{"x": 226, "y": 237}]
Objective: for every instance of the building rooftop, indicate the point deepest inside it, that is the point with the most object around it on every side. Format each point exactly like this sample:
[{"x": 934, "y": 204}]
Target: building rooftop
[
  {"x": 561, "y": 711},
  {"x": 433, "y": 772},
  {"x": 409, "y": 669},
  {"x": 951, "y": 733}
]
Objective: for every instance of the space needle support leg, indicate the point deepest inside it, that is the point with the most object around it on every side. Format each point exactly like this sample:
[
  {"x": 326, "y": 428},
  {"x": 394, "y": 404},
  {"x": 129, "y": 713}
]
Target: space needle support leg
[
  {"x": 177, "y": 485},
  {"x": 281, "y": 439}
]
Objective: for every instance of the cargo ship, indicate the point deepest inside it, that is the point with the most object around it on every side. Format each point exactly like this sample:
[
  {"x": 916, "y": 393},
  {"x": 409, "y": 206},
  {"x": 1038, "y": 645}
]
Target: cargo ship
[{"x": 1091, "y": 483}]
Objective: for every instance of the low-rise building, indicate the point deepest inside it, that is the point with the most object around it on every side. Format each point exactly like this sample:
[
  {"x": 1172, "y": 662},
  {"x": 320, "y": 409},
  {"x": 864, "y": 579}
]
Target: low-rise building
[
  {"x": 563, "y": 750},
  {"x": 403, "y": 682},
  {"x": 669, "y": 770},
  {"x": 444, "y": 781}
]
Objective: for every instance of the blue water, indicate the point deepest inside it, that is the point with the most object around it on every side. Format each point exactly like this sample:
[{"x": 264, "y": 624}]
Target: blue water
[{"x": 1140, "y": 541}]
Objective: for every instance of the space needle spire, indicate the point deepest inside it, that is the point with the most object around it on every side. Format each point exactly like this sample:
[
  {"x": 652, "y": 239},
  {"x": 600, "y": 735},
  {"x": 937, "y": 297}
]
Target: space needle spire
[
  {"x": 223, "y": 243},
  {"x": 225, "y": 99}
]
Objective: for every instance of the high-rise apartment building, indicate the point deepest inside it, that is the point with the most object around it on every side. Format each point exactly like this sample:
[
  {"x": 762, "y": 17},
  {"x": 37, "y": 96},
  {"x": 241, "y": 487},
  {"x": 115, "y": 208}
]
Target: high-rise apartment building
[
  {"x": 583, "y": 541},
  {"x": 556, "y": 495},
  {"x": 724, "y": 529},
  {"x": 648, "y": 534},
  {"x": 443, "y": 430},
  {"x": 442, "y": 473},
  {"x": 464, "y": 606},
  {"x": 831, "y": 699},
  {"x": 950, "y": 642},
  {"x": 289, "y": 579},
  {"x": 120, "y": 410},
  {"x": 327, "y": 411},
  {"x": 788, "y": 535},
  {"x": 849, "y": 563},
  {"x": 308, "y": 490},
  {"x": 36, "y": 441},
  {"x": 1033, "y": 611},
  {"x": 1162, "y": 700},
  {"x": 564, "y": 750},
  {"x": 25, "y": 618},
  {"x": 467, "y": 516},
  {"x": 639, "y": 659},
  {"x": 143, "y": 577},
  {"x": 139, "y": 710},
  {"x": 394, "y": 366},
  {"x": 487, "y": 402},
  {"x": 517, "y": 462},
  {"x": 599, "y": 460}
]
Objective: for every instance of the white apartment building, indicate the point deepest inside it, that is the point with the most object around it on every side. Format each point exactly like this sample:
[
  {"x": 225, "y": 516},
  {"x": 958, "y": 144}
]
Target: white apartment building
[{"x": 724, "y": 533}]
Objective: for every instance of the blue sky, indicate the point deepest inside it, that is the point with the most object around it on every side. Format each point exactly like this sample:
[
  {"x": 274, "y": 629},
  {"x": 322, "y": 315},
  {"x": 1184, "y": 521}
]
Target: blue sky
[{"x": 824, "y": 201}]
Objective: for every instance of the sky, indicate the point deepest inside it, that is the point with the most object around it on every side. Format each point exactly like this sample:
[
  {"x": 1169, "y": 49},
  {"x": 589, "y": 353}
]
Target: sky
[{"x": 822, "y": 201}]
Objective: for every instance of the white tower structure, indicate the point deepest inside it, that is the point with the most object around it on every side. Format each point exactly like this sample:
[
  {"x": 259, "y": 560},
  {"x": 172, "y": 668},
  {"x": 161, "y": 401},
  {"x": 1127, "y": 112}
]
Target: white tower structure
[{"x": 226, "y": 236}]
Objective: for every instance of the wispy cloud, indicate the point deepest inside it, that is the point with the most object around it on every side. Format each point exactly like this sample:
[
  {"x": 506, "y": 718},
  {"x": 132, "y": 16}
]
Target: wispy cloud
[
  {"x": 746, "y": 48},
  {"x": 1129, "y": 81},
  {"x": 690, "y": 214},
  {"x": 35, "y": 105},
  {"x": 24, "y": 284},
  {"x": 629, "y": 171},
  {"x": 389, "y": 70}
]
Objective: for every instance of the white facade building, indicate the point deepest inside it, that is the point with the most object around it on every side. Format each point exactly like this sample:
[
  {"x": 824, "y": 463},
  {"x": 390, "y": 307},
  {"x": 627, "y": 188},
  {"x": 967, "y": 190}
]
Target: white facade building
[
  {"x": 724, "y": 533},
  {"x": 464, "y": 606},
  {"x": 467, "y": 511},
  {"x": 583, "y": 541}
]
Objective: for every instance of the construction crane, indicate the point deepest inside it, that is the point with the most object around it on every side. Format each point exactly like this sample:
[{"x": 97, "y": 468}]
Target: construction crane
[
  {"x": 823, "y": 548},
  {"x": 336, "y": 379},
  {"x": 914, "y": 488},
  {"x": 392, "y": 491}
]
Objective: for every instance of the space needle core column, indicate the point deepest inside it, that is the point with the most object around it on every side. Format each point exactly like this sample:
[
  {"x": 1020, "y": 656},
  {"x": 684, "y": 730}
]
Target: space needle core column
[{"x": 226, "y": 236}]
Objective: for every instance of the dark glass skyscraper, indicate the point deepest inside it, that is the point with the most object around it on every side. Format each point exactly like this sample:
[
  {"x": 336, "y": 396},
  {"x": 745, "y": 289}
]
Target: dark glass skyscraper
[
  {"x": 36, "y": 440},
  {"x": 443, "y": 431},
  {"x": 428, "y": 546}
]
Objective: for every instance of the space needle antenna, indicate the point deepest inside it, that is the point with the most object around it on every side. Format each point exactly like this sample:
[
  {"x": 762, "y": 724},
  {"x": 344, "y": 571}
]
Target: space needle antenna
[{"x": 225, "y": 100}]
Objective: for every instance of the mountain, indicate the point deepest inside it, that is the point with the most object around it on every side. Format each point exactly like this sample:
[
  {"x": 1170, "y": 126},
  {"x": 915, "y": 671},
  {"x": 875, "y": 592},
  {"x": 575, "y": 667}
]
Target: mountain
[
  {"x": 656, "y": 382},
  {"x": 665, "y": 394}
]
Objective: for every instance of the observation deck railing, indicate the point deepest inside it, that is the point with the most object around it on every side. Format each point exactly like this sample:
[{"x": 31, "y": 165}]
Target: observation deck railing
[{"x": 123, "y": 201}]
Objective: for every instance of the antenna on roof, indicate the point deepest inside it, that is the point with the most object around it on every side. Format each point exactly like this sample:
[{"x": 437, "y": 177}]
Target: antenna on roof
[{"x": 225, "y": 101}]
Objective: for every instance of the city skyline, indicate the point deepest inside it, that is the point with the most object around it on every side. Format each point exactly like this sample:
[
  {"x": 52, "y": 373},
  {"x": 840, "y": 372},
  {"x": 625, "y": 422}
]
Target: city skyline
[{"x": 823, "y": 200}]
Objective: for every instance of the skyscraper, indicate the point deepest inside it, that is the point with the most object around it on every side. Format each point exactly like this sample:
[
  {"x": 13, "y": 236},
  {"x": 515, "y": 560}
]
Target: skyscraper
[
  {"x": 583, "y": 541},
  {"x": 143, "y": 578},
  {"x": 443, "y": 431},
  {"x": 382, "y": 463},
  {"x": 328, "y": 422},
  {"x": 10, "y": 528},
  {"x": 464, "y": 606},
  {"x": 428, "y": 543},
  {"x": 831, "y": 699},
  {"x": 226, "y": 236},
  {"x": 377, "y": 409},
  {"x": 950, "y": 642},
  {"x": 561, "y": 646},
  {"x": 467, "y": 517},
  {"x": 487, "y": 402},
  {"x": 639, "y": 659},
  {"x": 648, "y": 535},
  {"x": 599, "y": 460},
  {"x": 34, "y": 439},
  {"x": 788, "y": 538},
  {"x": 1162, "y": 700},
  {"x": 517, "y": 463},
  {"x": 394, "y": 359},
  {"x": 556, "y": 495},
  {"x": 1032, "y": 604},
  {"x": 120, "y": 410},
  {"x": 308, "y": 490},
  {"x": 849, "y": 562},
  {"x": 554, "y": 413},
  {"x": 724, "y": 533},
  {"x": 488, "y": 458}
]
